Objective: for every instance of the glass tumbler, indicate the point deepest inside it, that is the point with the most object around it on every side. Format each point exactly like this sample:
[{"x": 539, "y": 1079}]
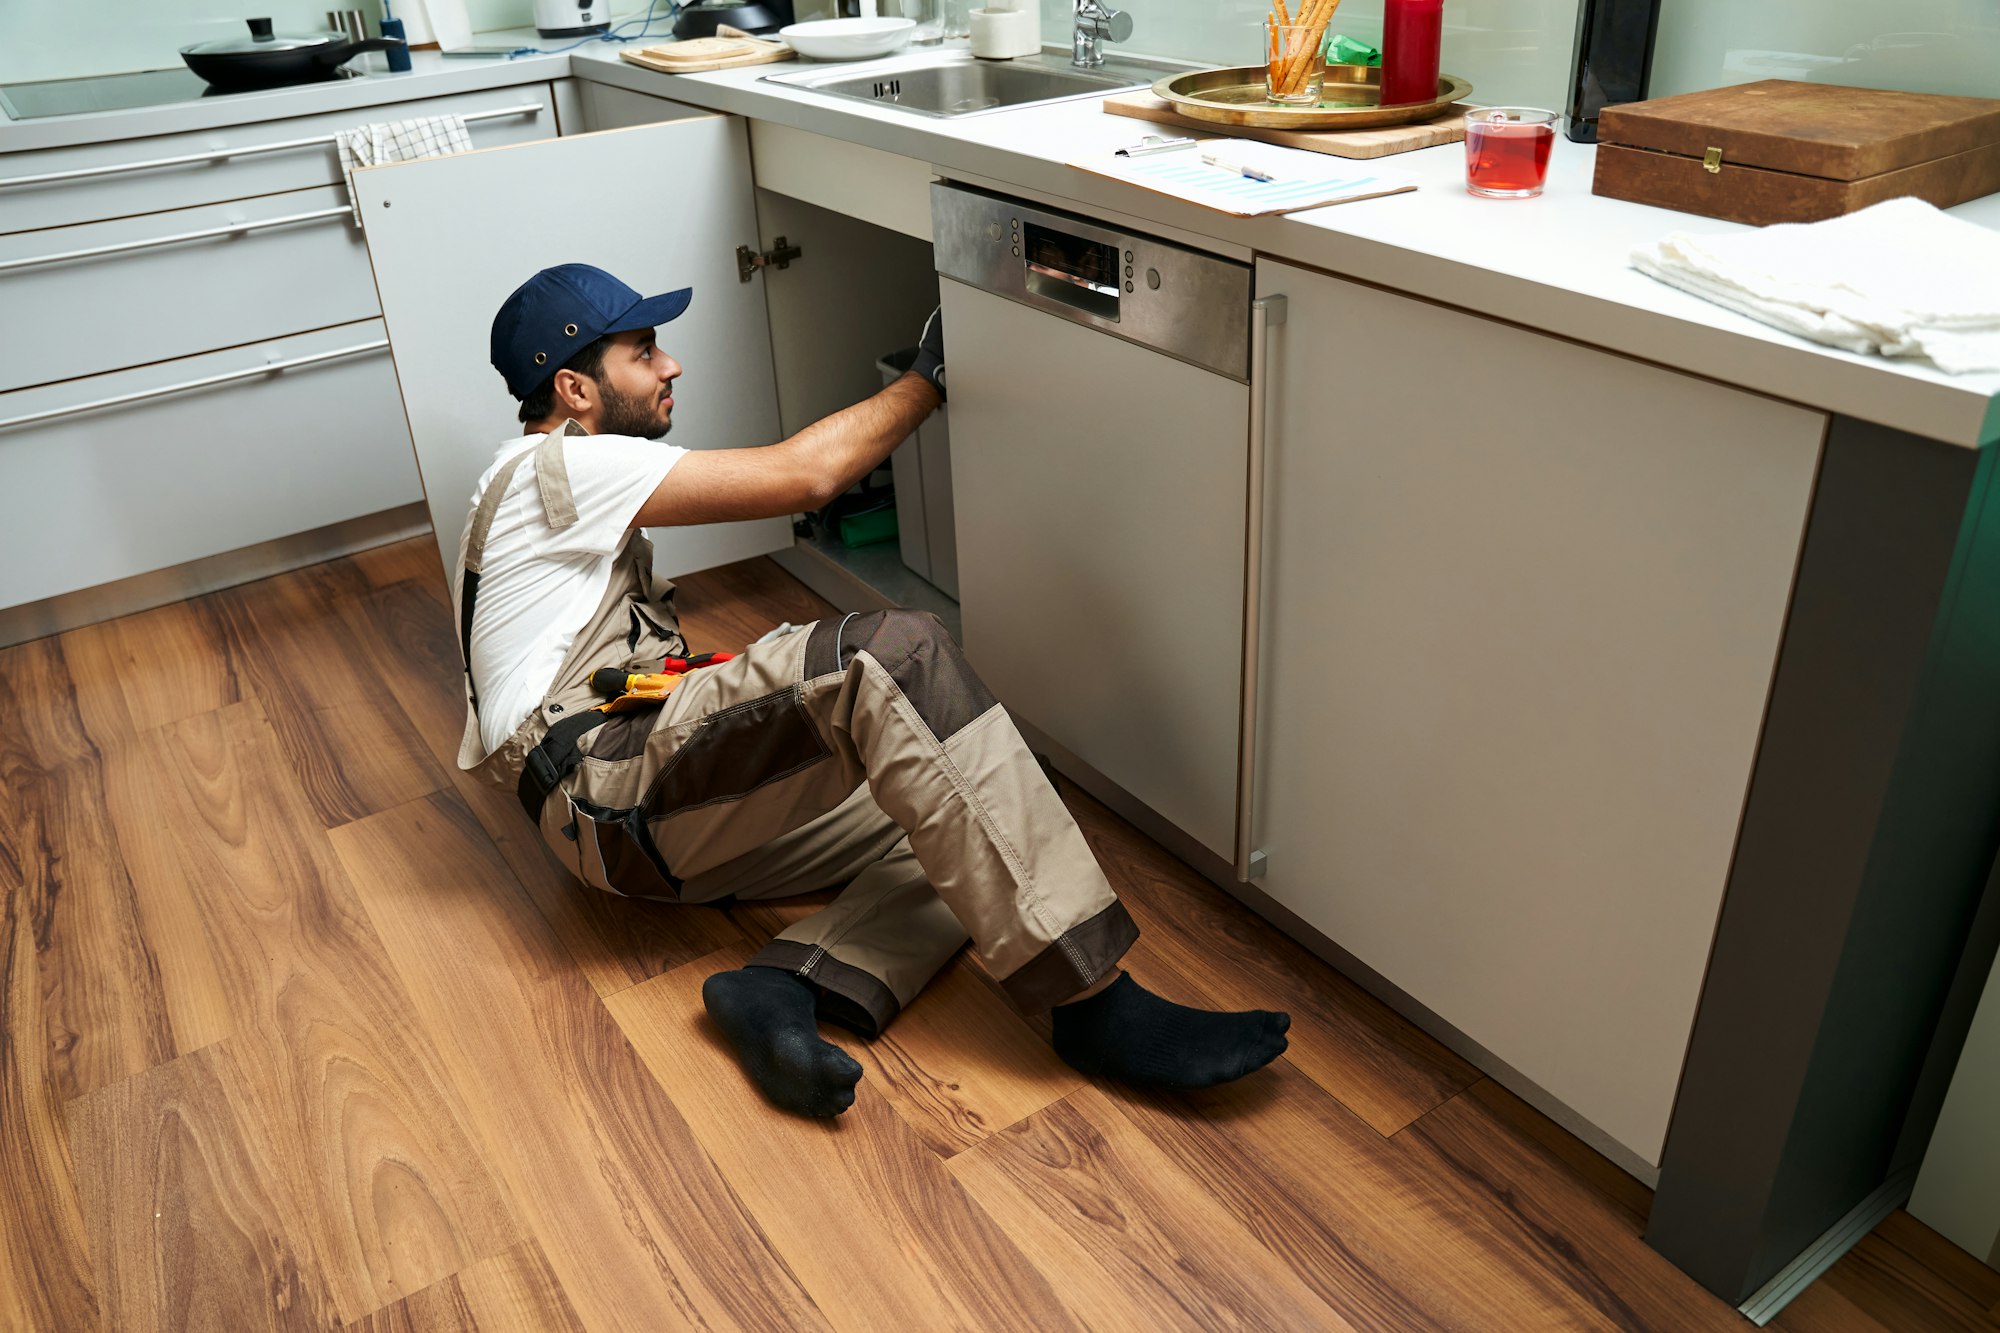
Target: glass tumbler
[
  {"x": 1294, "y": 69},
  {"x": 1507, "y": 151}
]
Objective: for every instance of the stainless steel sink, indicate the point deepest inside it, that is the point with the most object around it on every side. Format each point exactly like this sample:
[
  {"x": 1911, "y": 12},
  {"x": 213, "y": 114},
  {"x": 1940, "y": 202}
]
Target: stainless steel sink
[{"x": 956, "y": 84}]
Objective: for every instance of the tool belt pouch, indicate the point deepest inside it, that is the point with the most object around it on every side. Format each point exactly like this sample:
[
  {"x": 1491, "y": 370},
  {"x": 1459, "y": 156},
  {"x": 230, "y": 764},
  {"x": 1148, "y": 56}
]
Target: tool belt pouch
[{"x": 607, "y": 847}]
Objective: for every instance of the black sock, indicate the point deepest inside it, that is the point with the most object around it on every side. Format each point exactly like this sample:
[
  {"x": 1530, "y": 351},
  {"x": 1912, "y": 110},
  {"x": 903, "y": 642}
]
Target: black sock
[
  {"x": 767, "y": 1016},
  {"x": 1127, "y": 1032}
]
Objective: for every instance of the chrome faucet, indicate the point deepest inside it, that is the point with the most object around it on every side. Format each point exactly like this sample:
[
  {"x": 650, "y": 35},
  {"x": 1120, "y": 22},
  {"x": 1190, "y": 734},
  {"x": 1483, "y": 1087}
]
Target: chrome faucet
[{"x": 1095, "y": 22}]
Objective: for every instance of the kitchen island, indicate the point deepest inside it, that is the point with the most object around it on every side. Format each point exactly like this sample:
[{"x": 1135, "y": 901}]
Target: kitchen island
[{"x": 1810, "y": 790}]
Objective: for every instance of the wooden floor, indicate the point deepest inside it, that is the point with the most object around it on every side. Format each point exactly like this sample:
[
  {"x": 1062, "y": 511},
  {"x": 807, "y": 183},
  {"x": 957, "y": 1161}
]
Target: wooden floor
[{"x": 300, "y": 1028}]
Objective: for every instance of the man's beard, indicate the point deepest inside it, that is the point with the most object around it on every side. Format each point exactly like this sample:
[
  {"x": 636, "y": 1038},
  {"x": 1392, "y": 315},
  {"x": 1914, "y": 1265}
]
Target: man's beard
[{"x": 631, "y": 414}]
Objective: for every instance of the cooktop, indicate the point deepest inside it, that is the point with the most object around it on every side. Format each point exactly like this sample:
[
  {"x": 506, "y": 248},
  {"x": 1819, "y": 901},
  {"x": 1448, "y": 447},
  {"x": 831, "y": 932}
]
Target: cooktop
[{"x": 113, "y": 92}]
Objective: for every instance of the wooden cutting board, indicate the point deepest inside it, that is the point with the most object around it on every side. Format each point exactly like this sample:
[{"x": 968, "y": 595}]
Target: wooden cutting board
[
  {"x": 1448, "y": 126},
  {"x": 699, "y": 54}
]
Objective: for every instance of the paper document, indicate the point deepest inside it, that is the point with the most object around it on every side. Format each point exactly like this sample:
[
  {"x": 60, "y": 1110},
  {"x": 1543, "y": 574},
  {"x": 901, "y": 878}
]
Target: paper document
[{"x": 1298, "y": 179}]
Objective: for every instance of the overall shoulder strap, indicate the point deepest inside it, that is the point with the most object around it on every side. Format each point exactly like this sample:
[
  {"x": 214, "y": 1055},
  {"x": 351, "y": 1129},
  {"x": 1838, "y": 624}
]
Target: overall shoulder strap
[{"x": 552, "y": 477}]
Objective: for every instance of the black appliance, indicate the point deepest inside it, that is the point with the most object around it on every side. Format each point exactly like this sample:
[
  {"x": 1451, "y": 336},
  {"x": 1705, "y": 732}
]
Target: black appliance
[
  {"x": 763, "y": 16},
  {"x": 267, "y": 60}
]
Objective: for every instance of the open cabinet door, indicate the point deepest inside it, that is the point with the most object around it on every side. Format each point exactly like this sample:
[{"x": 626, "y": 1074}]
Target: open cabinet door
[{"x": 661, "y": 206}]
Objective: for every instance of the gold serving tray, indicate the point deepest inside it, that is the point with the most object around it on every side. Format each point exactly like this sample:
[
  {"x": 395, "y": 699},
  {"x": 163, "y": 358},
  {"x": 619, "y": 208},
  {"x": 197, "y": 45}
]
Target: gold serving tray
[{"x": 1350, "y": 101}]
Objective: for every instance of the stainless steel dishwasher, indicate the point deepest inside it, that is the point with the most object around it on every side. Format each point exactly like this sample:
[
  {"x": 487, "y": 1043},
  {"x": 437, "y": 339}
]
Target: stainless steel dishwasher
[{"x": 1102, "y": 476}]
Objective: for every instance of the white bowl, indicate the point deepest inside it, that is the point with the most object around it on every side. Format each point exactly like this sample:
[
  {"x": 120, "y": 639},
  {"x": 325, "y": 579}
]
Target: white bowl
[{"x": 848, "y": 39}]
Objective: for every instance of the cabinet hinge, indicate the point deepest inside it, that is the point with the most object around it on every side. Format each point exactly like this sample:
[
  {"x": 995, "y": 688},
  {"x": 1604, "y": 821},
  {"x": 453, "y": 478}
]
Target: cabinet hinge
[{"x": 781, "y": 255}]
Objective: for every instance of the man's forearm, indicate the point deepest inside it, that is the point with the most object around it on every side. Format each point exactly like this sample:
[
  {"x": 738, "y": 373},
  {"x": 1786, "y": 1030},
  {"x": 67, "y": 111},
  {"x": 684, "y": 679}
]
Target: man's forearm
[{"x": 847, "y": 446}]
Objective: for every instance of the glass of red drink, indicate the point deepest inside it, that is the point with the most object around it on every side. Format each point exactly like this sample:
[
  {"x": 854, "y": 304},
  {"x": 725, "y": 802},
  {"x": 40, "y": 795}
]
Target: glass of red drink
[{"x": 1507, "y": 151}]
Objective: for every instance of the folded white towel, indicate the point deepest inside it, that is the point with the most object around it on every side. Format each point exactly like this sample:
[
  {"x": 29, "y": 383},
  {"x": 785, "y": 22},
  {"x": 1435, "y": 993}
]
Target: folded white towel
[
  {"x": 399, "y": 141},
  {"x": 1900, "y": 279}
]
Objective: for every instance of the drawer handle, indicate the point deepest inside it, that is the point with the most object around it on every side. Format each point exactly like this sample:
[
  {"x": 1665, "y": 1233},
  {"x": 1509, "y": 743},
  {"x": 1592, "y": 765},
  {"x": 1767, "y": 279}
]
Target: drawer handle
[
  {"x": 207, "y": 381},
  {"x": 217, "y": 155},
  {"x": 125, "y": 247},
  {"x": 1266, "y": 313}
]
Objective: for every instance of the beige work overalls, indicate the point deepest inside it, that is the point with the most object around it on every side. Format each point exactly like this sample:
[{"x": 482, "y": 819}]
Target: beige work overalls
[{"x": 860, "y": 750}]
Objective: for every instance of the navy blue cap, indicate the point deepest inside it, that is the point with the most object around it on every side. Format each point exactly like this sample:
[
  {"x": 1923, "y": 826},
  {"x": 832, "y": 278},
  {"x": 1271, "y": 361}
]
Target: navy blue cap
[{"x": 560, "y": 310}]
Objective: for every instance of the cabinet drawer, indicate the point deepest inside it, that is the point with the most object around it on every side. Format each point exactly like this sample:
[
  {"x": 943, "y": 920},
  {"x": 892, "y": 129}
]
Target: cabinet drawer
[
  {"x": 132, "y": 176},
  {"x": 240, "y": 454},
  {"x": 188, "y": 284}
]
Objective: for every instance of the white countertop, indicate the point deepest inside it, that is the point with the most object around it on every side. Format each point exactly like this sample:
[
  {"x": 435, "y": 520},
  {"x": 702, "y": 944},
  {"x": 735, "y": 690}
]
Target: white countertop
[{"x": 1556, "y": 264}]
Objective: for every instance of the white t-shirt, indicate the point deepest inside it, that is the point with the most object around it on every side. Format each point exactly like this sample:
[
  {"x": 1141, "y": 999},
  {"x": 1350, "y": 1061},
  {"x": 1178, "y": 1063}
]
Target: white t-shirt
[{"x": 538, "y": 586}]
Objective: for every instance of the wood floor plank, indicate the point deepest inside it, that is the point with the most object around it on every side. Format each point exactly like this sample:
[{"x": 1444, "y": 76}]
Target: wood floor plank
[
  {"x": 618, "y": 942},
  {"x": 960, "y": 1064},
  {"x": 1820, "y": 1308},
  {"x": 201, "y": 1007},
  {"x": 45, "y": 1275},
  {"x": 1334, "y": 1209},
  {"x": 1905, "y": 1276},
  {"x": 517, "y": 1292},
  {"x": 362, "y": 1126},
  {"x": 638, "y": 1225},
  {"x": 44, "y": 726},
  {"x": 414, "y": 559},
  {"x": 163, "y": 665},
  {"x": 876, "y": 1229},
  {"x": 198, "y": 1233},
  {"x": 1538, "y": 1219},
  {"x": 1352, "y": 1044},
  {"x": 1133, "y": 1242},
  {"x": 342, "y": 725},
  {"x": 512, "y": 1292},
  {"x": 102, "y": 1014},
  {"x": 1476, "y": 1231},
  {"x": 1612, "y": 1185}
]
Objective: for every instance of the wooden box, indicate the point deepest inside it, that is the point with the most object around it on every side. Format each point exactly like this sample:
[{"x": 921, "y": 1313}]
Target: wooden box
[{"x": 1780, "y": 151}]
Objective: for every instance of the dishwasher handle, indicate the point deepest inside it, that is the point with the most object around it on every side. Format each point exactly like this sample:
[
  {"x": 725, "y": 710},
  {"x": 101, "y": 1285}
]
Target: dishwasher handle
[{"x": 1266, "y": 313}]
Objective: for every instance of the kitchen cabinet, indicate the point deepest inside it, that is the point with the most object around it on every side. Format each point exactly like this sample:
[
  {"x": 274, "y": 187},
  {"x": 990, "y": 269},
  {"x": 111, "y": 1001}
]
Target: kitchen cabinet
[
  {"x": 169, "y": 386},
  {"x": 656, "y": 230},
  {"x": 231, "y": 273},
  {"x": 288, "y": 435},
  {"x": 1521, "y": 608},
  {"x": 56, "y": 187}
]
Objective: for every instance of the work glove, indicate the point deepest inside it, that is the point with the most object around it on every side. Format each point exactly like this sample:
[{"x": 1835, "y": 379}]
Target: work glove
[{"x": 930, "y": 352}]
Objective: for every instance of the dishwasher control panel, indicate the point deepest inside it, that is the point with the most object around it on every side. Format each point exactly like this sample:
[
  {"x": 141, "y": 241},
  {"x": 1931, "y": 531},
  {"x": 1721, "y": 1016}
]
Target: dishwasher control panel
[{"x": 1183, "y": 302}]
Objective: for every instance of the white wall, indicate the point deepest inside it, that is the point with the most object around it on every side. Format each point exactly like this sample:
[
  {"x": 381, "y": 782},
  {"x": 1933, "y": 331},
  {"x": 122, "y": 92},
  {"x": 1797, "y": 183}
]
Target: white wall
[
  {"x": 1935, "y": 46},
  {"x": 62, "y": 39},
  {"x": 1514, "y": 51}
]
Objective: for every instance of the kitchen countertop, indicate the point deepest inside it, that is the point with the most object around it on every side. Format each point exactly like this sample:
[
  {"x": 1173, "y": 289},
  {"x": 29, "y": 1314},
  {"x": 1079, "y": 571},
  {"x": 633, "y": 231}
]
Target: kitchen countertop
[{"x": 1556, "y": 264}]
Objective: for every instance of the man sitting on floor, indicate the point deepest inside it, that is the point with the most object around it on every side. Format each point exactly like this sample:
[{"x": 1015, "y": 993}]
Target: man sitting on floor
[{"x": 862, "y": 750}]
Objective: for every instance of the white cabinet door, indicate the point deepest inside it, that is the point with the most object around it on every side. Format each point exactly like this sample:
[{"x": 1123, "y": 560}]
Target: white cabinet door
[
  {"x": 1099, "y": 494},
  {"x": 296, "y": 264},
  {"x": 661, "y": 206},
  {"x": 1522, "y": 605},
  {"x": 120, "y": 474}
]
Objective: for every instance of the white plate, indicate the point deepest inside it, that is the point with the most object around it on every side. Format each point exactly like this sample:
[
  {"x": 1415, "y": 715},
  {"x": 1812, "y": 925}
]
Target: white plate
[{"x": 848, "y": 39}]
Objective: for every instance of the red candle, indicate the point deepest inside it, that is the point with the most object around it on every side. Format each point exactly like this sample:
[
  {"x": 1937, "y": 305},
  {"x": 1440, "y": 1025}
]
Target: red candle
[{"x": 1411, "y": 30}]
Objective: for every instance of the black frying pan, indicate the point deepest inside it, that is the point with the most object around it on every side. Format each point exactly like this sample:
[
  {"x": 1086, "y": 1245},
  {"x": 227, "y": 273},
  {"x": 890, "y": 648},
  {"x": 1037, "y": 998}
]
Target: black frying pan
[{"x": 265, "y": 61}]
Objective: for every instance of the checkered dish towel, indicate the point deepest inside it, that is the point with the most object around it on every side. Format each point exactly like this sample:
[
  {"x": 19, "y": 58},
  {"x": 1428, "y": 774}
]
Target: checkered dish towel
[
  {"x": 1899, "y": 278},
  {"x": 398, "y": 141}
]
